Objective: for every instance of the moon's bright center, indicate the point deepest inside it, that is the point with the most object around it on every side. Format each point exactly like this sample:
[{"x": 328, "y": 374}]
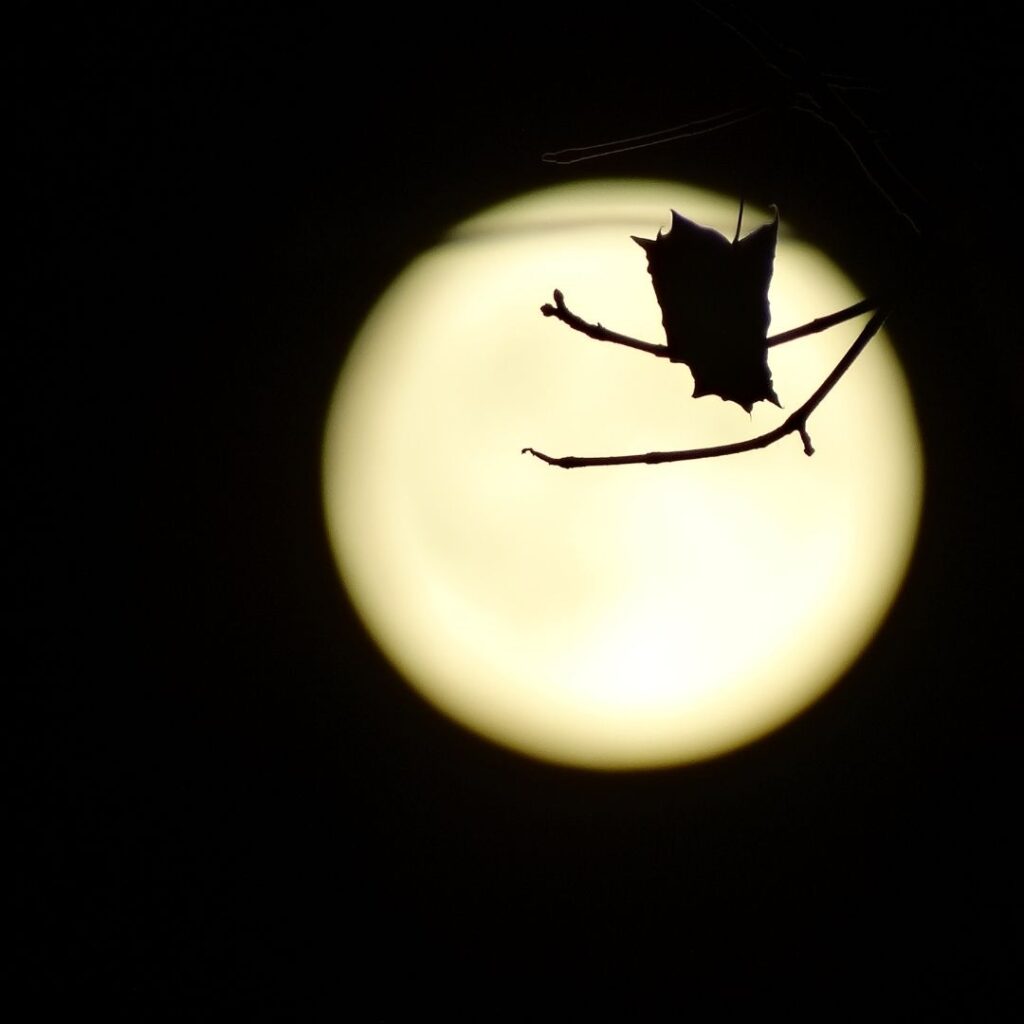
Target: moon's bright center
[{"x": 616, "y": 617}]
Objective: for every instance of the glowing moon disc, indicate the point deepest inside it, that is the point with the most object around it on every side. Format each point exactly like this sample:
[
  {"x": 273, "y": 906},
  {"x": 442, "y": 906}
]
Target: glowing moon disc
[{"x": 612, "y": 617}]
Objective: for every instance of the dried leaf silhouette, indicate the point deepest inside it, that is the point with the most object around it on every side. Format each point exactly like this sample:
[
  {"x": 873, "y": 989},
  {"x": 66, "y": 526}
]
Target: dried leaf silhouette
[{"x": 713, "y": 295}]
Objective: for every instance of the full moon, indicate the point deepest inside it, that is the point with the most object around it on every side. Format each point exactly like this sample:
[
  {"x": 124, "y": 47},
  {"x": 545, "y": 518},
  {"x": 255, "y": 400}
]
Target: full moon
[{"x": 624, "y": 617}]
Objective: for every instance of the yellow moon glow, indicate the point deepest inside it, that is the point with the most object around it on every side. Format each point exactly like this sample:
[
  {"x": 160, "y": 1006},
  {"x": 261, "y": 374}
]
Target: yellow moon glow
[{"x": 620, "y": 617}]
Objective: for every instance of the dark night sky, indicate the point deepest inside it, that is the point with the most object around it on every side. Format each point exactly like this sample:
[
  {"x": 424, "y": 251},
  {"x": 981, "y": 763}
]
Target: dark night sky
[{"x": 223, "y": 795}]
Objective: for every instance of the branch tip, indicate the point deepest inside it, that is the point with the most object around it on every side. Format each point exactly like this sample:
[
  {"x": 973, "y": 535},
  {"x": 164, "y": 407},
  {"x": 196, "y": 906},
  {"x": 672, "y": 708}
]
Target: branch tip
[
  {"x": 806, "y": 438},
  {"x": 565, "y": 463},
  {"x": 558, "y": 309}
]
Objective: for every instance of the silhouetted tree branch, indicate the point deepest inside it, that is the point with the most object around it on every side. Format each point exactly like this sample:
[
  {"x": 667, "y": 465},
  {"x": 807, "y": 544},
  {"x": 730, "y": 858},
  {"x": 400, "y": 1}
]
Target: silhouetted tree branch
[
  {"x": 562, "y": 312},
  {"x": 795, "y": 423},
  {"x": 601, "y": 333}
]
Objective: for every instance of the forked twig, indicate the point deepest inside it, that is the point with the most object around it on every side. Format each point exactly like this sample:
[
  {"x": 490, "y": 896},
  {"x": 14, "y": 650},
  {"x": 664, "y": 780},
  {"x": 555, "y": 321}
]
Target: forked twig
[{"x": 795, "y": 423}]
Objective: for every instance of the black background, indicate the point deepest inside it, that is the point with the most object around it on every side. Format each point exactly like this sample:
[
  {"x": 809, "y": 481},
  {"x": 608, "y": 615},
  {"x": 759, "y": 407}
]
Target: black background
[{"x": 223, "y": 796}]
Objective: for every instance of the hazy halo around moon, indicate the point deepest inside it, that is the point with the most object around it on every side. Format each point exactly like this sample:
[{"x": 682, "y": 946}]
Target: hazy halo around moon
[{"x": 619, "y": 617}]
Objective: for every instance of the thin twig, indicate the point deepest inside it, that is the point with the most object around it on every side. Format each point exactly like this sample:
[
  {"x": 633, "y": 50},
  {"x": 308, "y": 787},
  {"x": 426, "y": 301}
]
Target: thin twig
[
  {"x": 596, "y": 331},
  {"x": 680, "y": 131},
  {"x": 823, "y": 323},
  {"x": 795, "y": 423},
  {"x": 600, "y": 333},
  {"x": 814, "y": 94}
]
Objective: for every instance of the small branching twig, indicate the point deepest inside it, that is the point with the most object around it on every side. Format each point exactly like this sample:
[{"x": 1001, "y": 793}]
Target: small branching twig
[
  {"x": 795, "y": 423},
  {"x": 596, "y": 331}
]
